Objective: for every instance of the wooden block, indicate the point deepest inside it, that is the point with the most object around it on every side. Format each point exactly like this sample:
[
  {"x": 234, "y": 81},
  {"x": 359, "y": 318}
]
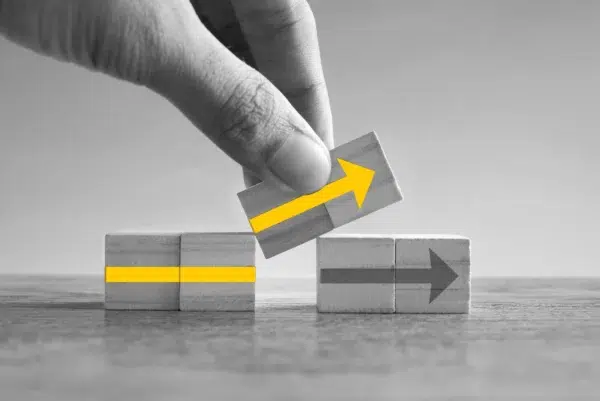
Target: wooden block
[
  {"x": 444, "y": 259},
  {"x": 226, "y": 297},
  {"x": 289, "y": 234},
  {"x": 142, "y": 271},
  {"x": 218, "y": 272},
  {"x": 322, "y": 218},
  {"x": 218, "y": 249},
  {"x": 355, "y": 274},
  {"x": 365, "y": 151},
  {"x": 433, "y": 274},
  {"x": 417, "y": 301}
]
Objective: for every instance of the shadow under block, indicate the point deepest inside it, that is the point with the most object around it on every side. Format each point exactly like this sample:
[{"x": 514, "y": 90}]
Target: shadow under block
[
  {"x": 142, "y": 271},
  {"x": 433, "y": 274},
  {"x": 218, "y": 272},
  {"x": 355, "y": 274},
  {"x": 263, "y": 197},
  {"x": 365, "y": 151}
]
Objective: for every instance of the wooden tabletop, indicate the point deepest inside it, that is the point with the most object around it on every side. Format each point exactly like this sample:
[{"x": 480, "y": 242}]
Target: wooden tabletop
[{"x": 524, "y": 339}]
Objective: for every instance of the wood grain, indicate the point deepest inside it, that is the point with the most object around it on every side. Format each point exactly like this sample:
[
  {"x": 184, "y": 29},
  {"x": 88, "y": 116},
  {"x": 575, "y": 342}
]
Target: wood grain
[
  {"x": 355, "y": 252},
  {"x": 142, "y": 250},
  {"x": 355, "y": 298},
  {"x": 417, "y": 301},
  {"x": 524, "y": 339},
  {"x": 412, "y": 252},
  {"x": 365, "y": 151},
  {"x": 211, "y": 250},
  {"x": 294, "y": 232},
  {"x": 218, "y": 249},
  {"x": 225, "y": 297},
  {"x": 288, "y": 234}
]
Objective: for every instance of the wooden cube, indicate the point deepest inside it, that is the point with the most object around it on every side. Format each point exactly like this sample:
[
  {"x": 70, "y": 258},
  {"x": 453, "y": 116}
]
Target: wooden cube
[
  {"x": 377, "y": 191},
  {"x": 142, "y": 271},
  {"x": 433, "y": 274},
  {"x": 218, "y": 272},
  {"x": 365, "y": 151},
  {"x": 290, "y": 233},
  {"x": 355, "y": 274}
]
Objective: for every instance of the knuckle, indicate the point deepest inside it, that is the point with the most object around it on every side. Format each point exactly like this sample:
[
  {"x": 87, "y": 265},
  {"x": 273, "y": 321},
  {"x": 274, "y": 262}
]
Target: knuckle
[
  {"x": 284, "y": 17},
  {"x": 125, "y": 44},
  {"x": 249, "y": 118}
]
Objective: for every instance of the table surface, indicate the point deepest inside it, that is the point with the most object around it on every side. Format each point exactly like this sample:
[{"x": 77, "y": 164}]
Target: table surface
[{"x": 524, "y": 339}]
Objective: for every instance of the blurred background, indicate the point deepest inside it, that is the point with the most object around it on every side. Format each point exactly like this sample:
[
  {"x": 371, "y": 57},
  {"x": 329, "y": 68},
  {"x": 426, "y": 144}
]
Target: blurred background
[{"x": 487, "y": 111}]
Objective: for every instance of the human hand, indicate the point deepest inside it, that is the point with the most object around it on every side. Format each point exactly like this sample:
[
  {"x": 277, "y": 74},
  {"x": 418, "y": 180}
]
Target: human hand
[{"x": 276, "y": 123}]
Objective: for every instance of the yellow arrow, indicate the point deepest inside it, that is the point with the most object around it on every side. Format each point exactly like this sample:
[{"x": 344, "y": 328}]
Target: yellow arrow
[{"x": 357, "y": 179}]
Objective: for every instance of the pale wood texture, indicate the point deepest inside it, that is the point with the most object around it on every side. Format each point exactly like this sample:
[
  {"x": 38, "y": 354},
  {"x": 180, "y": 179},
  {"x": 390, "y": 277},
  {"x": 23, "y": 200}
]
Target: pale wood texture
[
  {"x": 417, "y": 301},
  {"x": 217, "y": 249},
  {"x": 295, "y": 231},
  {"x": 289, "y": 234},
  {"x": 360, "y": 252},
  {"x": 365, "y": 151},
  {"x": 412, "y": 252},
  {"x": 355, "y": 250},
  {"x": 355, "y": 298},
  {"x": 384, "y": 191},
  {"x": 142, "y": 296},
  {"x": 139, "y": 250},
  {"x": 142, "y": 249},
  {"x": 226, "y": 297}
]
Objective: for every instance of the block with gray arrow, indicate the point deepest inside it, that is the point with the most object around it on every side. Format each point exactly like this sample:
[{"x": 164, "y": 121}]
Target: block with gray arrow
[
  {"x": 355, "y": 273},
  {"x": 433, "y": 274}
]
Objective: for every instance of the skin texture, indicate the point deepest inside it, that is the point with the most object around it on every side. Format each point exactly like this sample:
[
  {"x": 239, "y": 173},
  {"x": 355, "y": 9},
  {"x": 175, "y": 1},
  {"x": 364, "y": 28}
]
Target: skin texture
[{"x": 247, "y": 73}]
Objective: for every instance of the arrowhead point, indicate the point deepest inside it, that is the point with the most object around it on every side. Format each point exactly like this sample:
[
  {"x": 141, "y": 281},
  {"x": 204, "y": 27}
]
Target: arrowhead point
[
  {"x": 442, "y": 276},
  {"x": 360, "y": 179}
]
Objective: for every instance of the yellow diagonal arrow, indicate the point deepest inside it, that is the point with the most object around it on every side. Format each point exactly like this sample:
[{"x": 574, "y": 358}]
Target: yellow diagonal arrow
[{"x": 357, "y": 179}]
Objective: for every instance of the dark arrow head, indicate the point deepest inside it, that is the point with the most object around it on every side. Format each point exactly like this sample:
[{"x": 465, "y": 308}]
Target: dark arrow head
[{"x": 441, "y": 275}]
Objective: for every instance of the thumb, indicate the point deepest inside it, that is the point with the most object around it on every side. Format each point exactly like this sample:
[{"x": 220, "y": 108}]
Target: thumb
[
  {"x": 244, "y": 114},
  {"x": 164, "y": 46}
]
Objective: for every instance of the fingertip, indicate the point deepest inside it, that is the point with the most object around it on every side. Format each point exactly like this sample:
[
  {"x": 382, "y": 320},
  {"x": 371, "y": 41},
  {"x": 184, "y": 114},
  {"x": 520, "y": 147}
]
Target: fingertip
[{"x": 302, "y": 163}]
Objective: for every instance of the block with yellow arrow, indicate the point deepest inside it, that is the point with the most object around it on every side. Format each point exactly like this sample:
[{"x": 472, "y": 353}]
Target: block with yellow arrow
[{"x": 361, "y": 182}]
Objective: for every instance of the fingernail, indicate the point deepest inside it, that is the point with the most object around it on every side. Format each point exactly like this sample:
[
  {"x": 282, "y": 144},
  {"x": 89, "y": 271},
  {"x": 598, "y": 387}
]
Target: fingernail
[{"x": 301, "y": 163}]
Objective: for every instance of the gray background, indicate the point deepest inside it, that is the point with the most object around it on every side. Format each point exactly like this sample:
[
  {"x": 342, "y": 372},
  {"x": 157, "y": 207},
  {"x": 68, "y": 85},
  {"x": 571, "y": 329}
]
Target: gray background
[{"x": 487, "y": 110}]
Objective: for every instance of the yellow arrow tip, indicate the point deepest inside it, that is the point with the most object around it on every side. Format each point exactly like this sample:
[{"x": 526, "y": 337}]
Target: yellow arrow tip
[{"x": 360, "y": 179}]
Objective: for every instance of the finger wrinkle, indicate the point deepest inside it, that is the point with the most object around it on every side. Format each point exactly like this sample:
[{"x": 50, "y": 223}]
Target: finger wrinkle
[
  {"x": 304, "y": 91},
  {"x": 266, "y": 22}
]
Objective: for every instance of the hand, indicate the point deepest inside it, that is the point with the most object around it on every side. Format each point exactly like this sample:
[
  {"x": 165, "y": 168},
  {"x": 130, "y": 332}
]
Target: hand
[{"x": 277, "y": 124}]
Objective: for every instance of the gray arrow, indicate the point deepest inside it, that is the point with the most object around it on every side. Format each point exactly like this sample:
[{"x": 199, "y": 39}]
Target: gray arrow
[
  {"x": 440, "y": 276},
  {"x": 358, "y": 275}
]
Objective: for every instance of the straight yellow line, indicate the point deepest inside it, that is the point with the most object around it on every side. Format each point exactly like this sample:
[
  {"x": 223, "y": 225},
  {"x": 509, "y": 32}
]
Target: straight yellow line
[
  {"x": 141, "y": 274},
  {"x": 175, "y": 274},
  {"x": 218, "y": 274}
]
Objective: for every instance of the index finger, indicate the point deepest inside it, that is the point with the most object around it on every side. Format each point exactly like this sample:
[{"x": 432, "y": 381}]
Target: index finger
[{"x": 282, "y": 36}]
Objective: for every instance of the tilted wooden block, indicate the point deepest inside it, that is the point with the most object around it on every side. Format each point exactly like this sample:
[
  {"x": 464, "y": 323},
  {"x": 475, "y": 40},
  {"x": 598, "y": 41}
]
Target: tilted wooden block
[
  {"x": 365, "y": 151},
  {"x": 218, "y": 272},
  {"x": 355, "y": 274},
  {"x": 360, "y": 175},
  {"x": 433, "y": 273},
  {"x": 290, "y": 233},
  {"x": 142, "y": 271}
]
